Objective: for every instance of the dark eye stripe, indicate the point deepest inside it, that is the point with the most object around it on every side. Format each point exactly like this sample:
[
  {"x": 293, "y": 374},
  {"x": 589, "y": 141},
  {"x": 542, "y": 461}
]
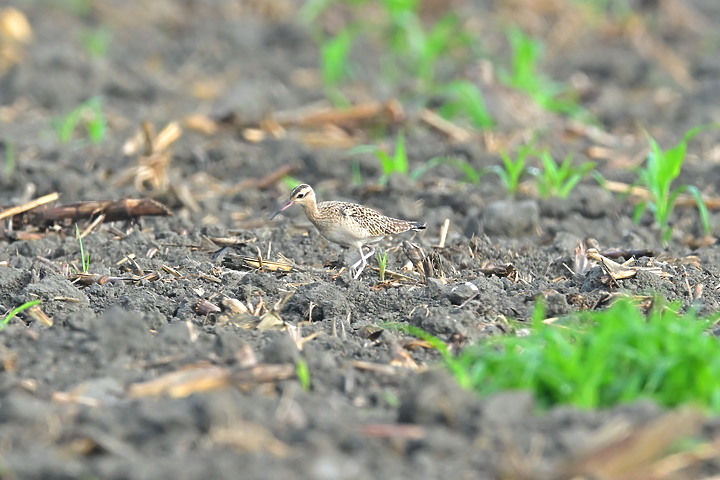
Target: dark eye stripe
[{"x": 299, "y": 188}]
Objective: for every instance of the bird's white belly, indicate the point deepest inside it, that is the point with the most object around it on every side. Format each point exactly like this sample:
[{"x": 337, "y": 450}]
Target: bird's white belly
[
  {"x": 346, "y": 236},
  {"x": 341, "y": 236}
]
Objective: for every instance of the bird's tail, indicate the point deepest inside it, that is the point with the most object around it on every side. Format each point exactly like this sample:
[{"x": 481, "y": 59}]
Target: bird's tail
[{"x": 417, "y": 226}]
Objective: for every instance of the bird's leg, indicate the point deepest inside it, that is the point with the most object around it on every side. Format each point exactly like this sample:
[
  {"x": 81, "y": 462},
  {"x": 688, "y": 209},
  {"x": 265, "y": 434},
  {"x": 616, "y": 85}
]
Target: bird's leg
[
  {"x": 360, "y": 264},
  {"x": 360, "y": 268},
  {"x": 356, "y": 264},
  {"x": 360, "y": 260},
  {"x": 364, "y": 261},
  {"x": 369, "y": 254}
]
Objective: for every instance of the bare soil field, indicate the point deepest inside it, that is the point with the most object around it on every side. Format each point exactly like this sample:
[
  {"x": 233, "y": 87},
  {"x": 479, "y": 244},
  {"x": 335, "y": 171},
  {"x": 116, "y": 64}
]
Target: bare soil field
[{"x": 180, "y": 352}]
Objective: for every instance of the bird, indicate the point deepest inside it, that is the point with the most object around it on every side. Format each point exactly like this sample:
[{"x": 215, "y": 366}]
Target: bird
[{"x": 348, "y": 224}]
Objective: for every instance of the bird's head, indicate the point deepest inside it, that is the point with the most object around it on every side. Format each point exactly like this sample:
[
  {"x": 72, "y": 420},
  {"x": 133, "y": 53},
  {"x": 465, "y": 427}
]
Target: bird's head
[{"x": 301, "y": 195}]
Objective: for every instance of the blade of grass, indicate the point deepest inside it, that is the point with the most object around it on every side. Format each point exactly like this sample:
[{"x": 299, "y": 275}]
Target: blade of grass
[{"x": 13, "y": 313}]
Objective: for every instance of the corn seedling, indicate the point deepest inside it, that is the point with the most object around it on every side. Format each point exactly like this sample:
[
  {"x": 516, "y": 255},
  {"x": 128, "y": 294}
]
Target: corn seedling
[
  {"x": 313, "y": 9},
  {"x": 471, "y": 175},
  {"x": 10, "y": 160},
  {"x": 357, "y": 176},
  {"x": 382, "y": 259},
  {"x": 84, "y": 255},
  {"x": 464, "y": 99},
  {"x": 391, "y": 399},
  {"x": 80, "y": 8},
  {"x": 524, "y": 75},
  {"x": 512, "y": 170},
  {"x": 335, "y": 63},
  {"x": 397, "y": 163},
  {"x": 411, "y": 61},
  {"x": 417, "y": 49},
  {"x": 13, "y": 313},
  {"x": 660, "y": 171},
  {"x": 620, "y": 10},
  {"x": 89, "y": 115},
  {"x": 558, "y": 180},
  {"x": 302, "y": 370},
  {"x": 390, "y": 164},
  {"x": 96, "y": 41}
]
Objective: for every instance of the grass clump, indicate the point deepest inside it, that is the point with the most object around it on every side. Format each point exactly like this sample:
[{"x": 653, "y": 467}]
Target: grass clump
[
  {"x": 658, "y": 174},
  {"x": 601, "y": 359}
]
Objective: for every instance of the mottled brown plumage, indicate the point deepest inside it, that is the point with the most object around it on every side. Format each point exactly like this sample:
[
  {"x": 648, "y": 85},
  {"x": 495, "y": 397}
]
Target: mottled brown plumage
[{"x": 348, "y": 224}]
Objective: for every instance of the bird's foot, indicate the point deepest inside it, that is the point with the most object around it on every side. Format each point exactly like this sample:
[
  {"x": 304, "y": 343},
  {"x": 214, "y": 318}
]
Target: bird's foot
[{"x": 339, "y": 273}]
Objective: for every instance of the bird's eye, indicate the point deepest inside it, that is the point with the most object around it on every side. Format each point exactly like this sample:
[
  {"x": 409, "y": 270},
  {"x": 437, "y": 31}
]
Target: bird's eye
[{"x": 300, "y": 195}]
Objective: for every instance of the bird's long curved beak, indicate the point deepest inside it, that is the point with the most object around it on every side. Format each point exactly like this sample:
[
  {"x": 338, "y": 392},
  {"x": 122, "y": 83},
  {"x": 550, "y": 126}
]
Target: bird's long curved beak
[{"x": 287, "y": 205}]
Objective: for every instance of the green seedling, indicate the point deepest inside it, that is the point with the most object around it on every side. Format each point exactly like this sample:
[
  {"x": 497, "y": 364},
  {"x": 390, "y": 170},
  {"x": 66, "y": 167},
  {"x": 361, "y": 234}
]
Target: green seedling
[
  {"x": 416, "y": 53},
  {"x": 526, "y": 53},
  {"x": 335, "y": 63},
  {"x": 464, "y": 99},
  {"x": 382, "y": 259},
  {"x": 302, "y": 370},
  {"x": 84, "y": 256},
  {"x": 558, "y": 181},
  {"x": 391, "y": 164},
  {"x": 620, "y": 10},
  {"x": 13, "y": 313},
  {"x": 397, "y": 163},
  {"x": 89, "y": 115},
  {"x": 96, "y": 41},
  {"x": 77, "y": 7},
  {"x": 391, "y": 399},
  {"x": 471, "y": 175},
  {"x": 445, "y": 36},
  {"x": 525, "y": 76},
  {"x": 10, "y": 160},
  {"x": 357, "y": 176},
  {"x": 512, "y": 170},
  {"x": 416, "y": 49},
  {"x": 291, "y": 182},
  {"x": 658, "y": 174}
]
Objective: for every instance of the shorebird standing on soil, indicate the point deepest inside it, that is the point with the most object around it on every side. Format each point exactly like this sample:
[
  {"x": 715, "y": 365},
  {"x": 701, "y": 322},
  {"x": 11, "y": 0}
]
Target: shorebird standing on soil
[{"x": 348, "y": 224}]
